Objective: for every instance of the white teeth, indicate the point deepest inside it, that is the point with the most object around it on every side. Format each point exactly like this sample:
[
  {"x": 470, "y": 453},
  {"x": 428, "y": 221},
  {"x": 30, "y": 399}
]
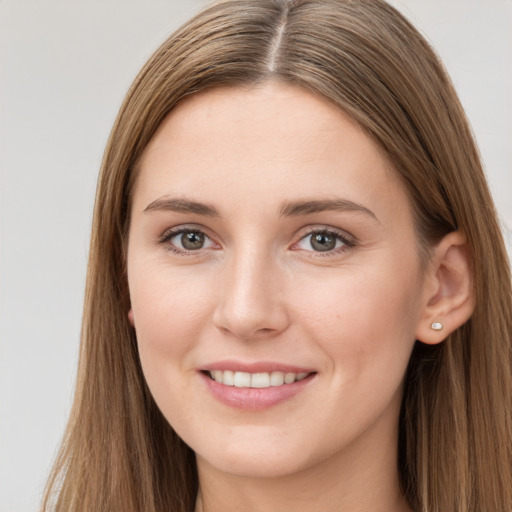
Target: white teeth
[
  {"x": 228, "y": 378},
  {"x": 260, "y": 380},
  {"x": 242, "y": 380},
  {"x": 255, "y": 380},
  {"x": 289, "y": 378},
  {"x": 276, "y": 378}
]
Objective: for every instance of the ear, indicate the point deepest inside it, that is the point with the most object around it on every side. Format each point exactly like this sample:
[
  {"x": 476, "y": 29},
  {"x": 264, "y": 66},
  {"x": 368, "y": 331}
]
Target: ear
[
  {"x": 448, "y": 296},
  {"x": 131, "y": 318}
]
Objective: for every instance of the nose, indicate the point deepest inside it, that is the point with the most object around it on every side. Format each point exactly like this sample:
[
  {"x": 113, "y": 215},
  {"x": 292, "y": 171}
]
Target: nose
[{"x": 251, "y": 304}]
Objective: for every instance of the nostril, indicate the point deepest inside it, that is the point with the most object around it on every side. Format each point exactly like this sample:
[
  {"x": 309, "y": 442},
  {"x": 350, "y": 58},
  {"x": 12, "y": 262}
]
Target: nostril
[{"x": 265, "y": 330}]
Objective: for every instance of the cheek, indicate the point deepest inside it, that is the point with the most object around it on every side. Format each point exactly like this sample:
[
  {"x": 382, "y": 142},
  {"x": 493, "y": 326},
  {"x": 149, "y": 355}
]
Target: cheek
[
  {"x": 171, "y": 312},
  {"x": 364, "y": 321},
  {"x": 365, "y": 328},
  {"x": 169, "y": 309}
]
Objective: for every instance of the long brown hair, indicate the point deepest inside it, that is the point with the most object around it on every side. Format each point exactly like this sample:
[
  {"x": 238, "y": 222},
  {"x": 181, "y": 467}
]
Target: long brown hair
[{"x": 455, "y": 446}]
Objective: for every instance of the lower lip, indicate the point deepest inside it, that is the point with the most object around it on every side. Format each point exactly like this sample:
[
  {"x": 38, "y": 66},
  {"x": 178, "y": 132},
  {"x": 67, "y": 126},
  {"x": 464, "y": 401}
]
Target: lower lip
[{"x": 255, "y": 399}]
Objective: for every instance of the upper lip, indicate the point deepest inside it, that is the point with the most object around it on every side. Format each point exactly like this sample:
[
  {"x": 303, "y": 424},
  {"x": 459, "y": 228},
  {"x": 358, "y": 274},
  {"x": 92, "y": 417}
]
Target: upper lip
[{"x": 255, "y": 367}]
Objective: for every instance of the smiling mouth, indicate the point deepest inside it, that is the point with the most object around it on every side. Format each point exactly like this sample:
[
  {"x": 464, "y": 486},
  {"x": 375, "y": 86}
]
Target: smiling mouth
[{"x": 256, "y": 380}]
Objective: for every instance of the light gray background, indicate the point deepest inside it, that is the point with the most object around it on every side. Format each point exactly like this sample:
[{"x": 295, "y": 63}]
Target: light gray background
[{"x": 65, "y": 66}]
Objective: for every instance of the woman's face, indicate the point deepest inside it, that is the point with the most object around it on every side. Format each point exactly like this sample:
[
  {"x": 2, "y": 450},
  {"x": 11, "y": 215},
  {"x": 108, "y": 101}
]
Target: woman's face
[{"x": 275, "y": 282}]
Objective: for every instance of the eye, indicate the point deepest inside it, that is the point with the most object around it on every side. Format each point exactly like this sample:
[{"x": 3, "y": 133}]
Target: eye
[
  {"x": 188, "y": 240},
  {"x": 324, "y": 241}
]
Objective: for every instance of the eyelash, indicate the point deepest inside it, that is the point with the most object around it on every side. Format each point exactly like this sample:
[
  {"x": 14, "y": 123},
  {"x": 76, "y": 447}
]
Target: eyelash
[
  {"x": 348, "y": 243},
  {"x": 173, "y": 232}
]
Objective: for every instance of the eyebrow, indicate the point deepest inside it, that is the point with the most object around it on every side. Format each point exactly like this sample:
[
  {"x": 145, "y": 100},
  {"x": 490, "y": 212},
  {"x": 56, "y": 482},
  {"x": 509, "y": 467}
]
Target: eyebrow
[
  {"x": 292, "y": 209},
  {"x": 182, "y": 206},
  {"x": 307, "y": 207}
]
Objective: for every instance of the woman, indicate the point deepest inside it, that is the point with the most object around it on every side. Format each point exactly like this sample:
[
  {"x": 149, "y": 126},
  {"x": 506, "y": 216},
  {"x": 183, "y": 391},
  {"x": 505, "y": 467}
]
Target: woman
[{"x": 298, "y": 295}]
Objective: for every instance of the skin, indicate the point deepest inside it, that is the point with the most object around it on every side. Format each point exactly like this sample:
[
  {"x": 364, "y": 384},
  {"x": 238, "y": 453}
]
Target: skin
[{"x": 258, "y": 291}]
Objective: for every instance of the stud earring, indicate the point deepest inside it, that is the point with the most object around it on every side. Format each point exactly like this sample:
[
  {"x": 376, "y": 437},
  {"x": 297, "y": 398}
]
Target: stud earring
[{"x": 437, "y": 326}]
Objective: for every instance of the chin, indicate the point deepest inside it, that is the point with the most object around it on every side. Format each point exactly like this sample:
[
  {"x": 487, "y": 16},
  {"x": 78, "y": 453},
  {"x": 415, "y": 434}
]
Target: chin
[
  {"x": 263, "y": 454},
  {"x": 254, "y": 466}
]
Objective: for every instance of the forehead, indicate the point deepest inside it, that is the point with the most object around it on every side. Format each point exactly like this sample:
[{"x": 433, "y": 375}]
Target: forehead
[{"x": 273, "y": 140}]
